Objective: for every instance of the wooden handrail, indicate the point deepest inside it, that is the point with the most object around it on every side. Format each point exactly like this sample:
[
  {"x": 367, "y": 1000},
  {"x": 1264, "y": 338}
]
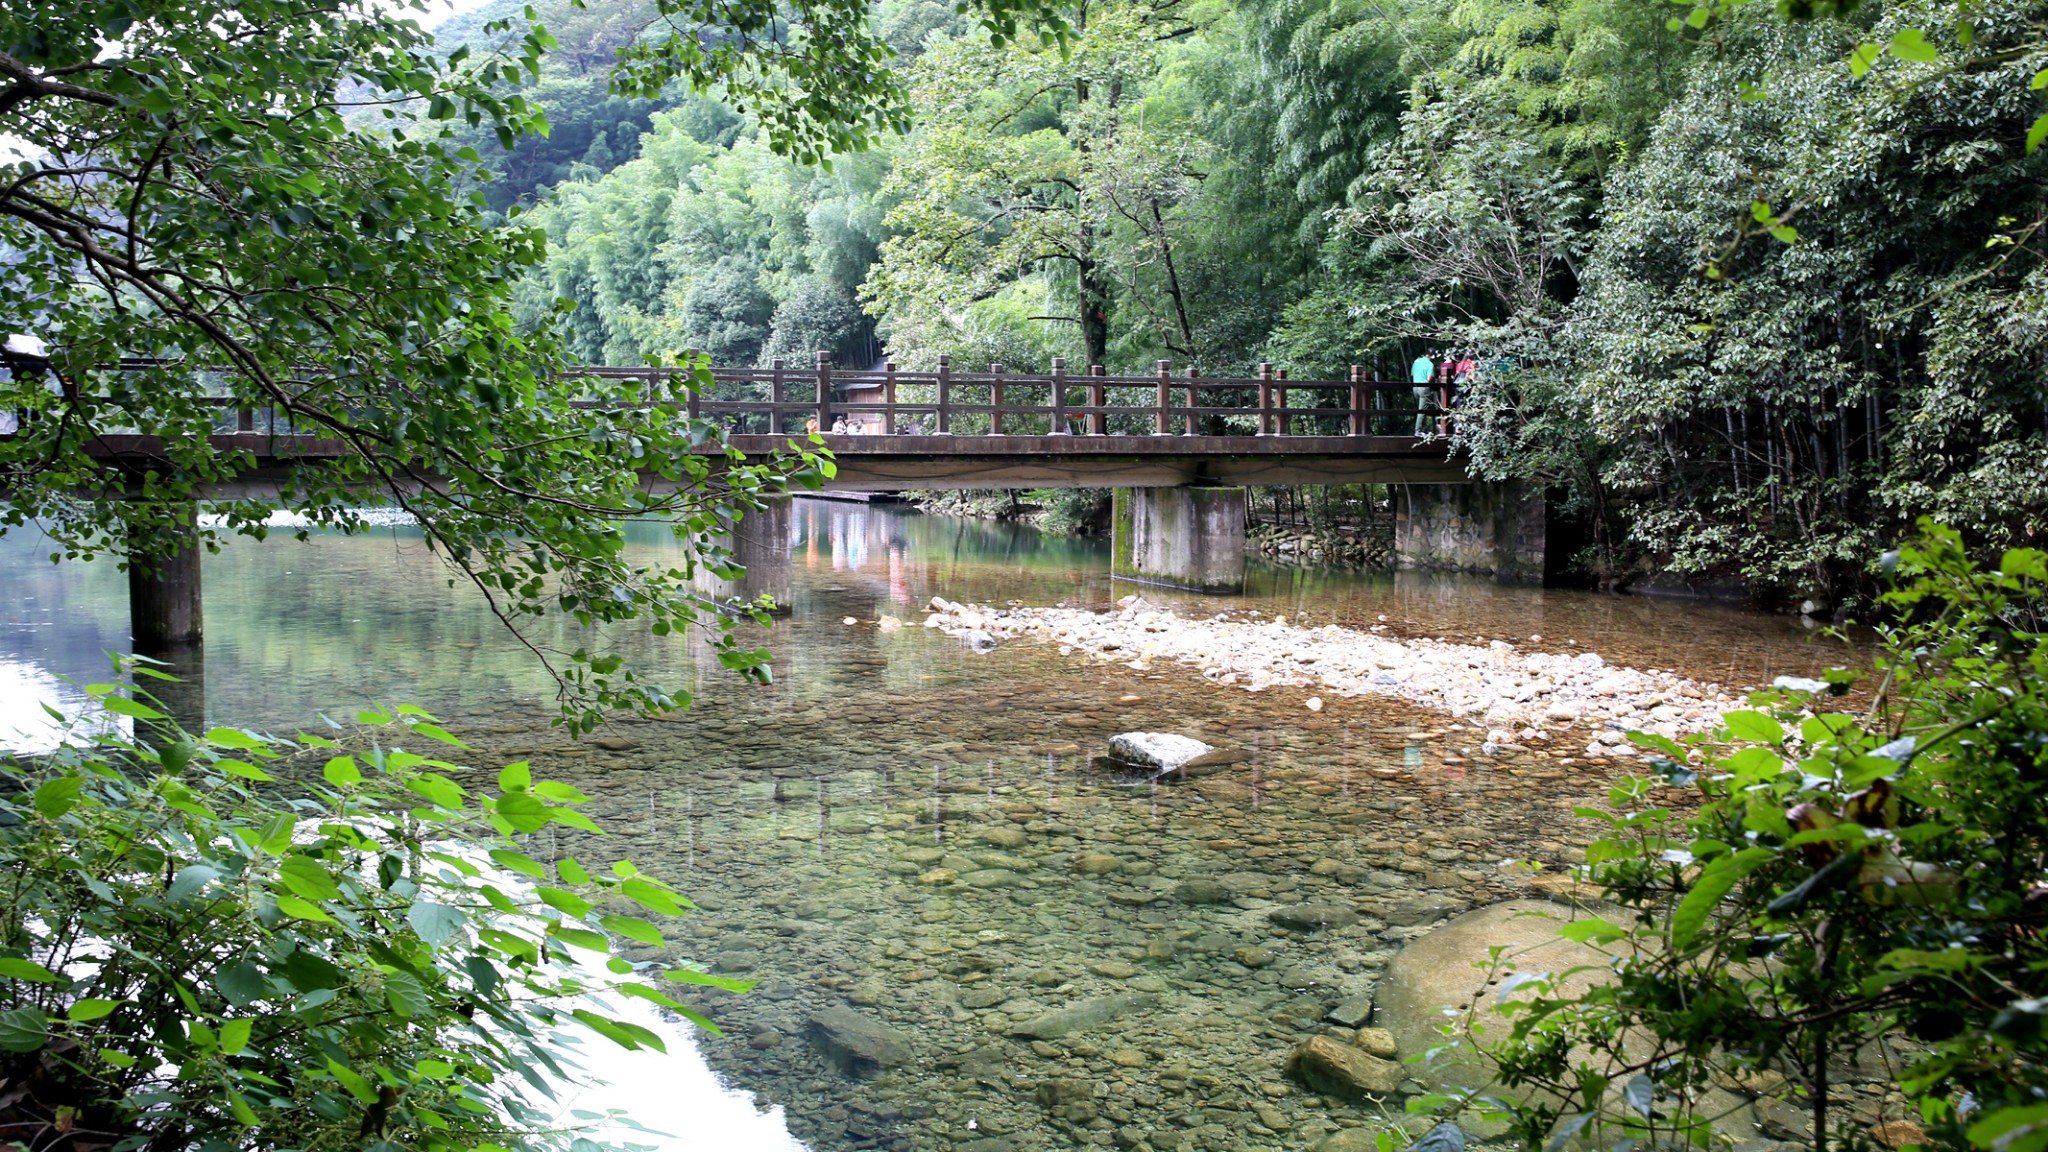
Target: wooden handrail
[{"x": 1360, "y": 400}]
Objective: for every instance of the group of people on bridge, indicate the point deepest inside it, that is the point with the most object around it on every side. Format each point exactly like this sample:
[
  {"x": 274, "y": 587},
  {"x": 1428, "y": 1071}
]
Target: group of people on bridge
[{"x": 1439, "y": 376}]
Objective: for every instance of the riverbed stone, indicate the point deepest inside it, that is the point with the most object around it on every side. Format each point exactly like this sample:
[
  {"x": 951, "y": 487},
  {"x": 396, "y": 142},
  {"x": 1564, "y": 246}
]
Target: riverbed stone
[
  {"x": 1087, "y": 1014},
  {"x": 1336, "y": 1069},
  {"x": 1313, "y": 917},
  {"x": 857, "y": 1044},
  {"x": 1202, "y": 890},
  {"x": 1352, "y": 1011}
]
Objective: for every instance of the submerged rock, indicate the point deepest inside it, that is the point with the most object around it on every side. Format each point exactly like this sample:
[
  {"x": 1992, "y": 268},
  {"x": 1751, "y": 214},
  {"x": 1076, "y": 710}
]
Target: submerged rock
[
  {"x": 1091, "y": 1013},
  {"x": 1336, "y": 1069},
  {"x": 1314, "y": 917},
  {"x": 859, "y": 1045},
  {"x": 1155, "y": 751}
]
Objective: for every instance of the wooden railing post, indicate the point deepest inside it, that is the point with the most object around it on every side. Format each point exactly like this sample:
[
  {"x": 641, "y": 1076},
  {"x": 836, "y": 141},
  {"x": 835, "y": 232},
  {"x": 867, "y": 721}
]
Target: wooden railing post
[
  {"x": 1265, "y": 398},
  {"x": 775, "y": 396},
  {"x": 1359, "y": 420},
  {"x": 889, "y": 397},
  {"x": 1193, "y": 404},
  {"x": 944, "y": 418},
  {"x": 1059, "y": 396},
  {"x": 1165, "y": 400},
  {"x": 995, "y": 399},
  {"x": 1283, "y": 424},
  {"x": 1098, "y": 399},
  {"x": 824, "y": 391}
]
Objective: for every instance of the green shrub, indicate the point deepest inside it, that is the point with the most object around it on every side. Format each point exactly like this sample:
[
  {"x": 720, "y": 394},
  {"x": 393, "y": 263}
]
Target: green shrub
[
  {"x": 1842, "y": 878},
  {"x": 236, "y": 941}
]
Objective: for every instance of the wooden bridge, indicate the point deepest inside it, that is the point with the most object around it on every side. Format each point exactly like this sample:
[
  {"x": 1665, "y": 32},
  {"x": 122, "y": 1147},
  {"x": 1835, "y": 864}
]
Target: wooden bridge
[{"x": 893, "y": 430}]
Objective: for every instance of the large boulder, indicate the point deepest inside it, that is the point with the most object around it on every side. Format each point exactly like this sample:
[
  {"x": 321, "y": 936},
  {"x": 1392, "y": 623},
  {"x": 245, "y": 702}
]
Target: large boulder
[{"x": 1450, "y": 968}]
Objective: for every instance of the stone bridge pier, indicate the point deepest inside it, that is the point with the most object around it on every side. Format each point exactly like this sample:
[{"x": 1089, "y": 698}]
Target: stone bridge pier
[
  {"x": 1498, "y": 529},
  {"x": 760, "y": 543},
  {"x": 1189, "y": 537}
]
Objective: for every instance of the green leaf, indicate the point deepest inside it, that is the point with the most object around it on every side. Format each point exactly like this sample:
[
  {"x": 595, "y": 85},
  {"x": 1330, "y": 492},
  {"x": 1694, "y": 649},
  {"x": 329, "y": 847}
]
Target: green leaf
[
  {"x": 275, "y": 836},
  {"x": 519, "y": 862},
  {"x": 239, "y": 1105},
  {"x": 692, "y": 976},
  {"x": 243, "y": 770},
  {"x": 436, "y": 923},
  {"x": 574, "y": 819},
  {"x": 241, "y": 982},
  {"x": 406, "y": 995},
  {"x": 626, "y": 1034},
  {"x": 652, "y": 897},
  {"x": 2036, "y": 134},
  {"x": 1784, "y": 233},
  {"x": 1910, "y": 44},
  {"x": 515, "y": 777},
  {"x": 357, "y": 1086},
  {"x": 523, "y": 811},
  {"x": 580, "y": 937},
  {"x": 23, "y": 1029},
  {"x": 234, "y": 1035},
  {"x": 1715, "y": 881},
  {"x": 435, "y": 731},
  {"x": 434, "y": 1069},
  {"x": 234, "y": 738},
  {"x": 1592, "y": 930},
  {"x": 15, "y": 968},
  {"x": 91, "y": 1008},
  {"x": 57, "y": 796},
  {"x": 1863, "y": 57},
  {"x": 189, "y": 880},
  {"x": 133, "y": 708},
  {"x": 1753, "y": 727},
  {"x": 342, "y": 772},
  {"x": 299, "y": 909},
  {"x": 309, "y": 878},
  {"x": 632, "y": 928}
]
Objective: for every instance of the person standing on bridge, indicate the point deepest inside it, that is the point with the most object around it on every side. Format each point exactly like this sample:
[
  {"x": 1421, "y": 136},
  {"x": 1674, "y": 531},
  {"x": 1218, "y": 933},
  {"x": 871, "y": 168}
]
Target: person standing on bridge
[{"x": 1419, "y": 374}]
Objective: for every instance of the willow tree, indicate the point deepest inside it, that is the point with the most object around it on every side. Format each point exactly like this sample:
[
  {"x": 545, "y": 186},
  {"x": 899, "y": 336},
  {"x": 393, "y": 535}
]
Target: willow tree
[{"x": 190, "y": 185}]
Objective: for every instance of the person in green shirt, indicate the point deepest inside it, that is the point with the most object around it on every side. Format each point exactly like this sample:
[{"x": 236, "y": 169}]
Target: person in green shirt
[{"x": 1421, "y": 373}]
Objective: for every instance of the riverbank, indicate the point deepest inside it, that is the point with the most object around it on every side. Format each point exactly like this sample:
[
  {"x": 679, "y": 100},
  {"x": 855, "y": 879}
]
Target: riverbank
[{"x": 1521, "y": 696}]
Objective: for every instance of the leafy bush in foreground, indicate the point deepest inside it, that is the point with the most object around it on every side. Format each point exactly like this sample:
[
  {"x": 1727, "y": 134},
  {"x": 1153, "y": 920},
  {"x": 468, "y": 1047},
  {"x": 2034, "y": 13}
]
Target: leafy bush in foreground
[
  {"x": 1843, "y": 878},
  {"x": 197, "y": 954}
]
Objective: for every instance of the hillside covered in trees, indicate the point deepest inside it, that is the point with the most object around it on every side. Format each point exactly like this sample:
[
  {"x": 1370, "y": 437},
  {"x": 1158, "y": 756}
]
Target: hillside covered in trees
[{"x": 1750, "y": 293}]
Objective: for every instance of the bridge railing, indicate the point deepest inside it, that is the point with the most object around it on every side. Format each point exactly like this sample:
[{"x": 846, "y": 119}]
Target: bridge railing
[
  {"x": 780, "y": 399},
  {"x": 783, "y": 399}
]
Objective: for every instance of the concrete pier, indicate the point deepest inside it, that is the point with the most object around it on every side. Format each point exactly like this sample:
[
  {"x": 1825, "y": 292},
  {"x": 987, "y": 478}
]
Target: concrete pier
[
  {"x": 164, "y": 605},
  {"x": 1495, "y": 529},
  {"x": 1189, "y": 538},
  {"x": 760, "y": 543}
]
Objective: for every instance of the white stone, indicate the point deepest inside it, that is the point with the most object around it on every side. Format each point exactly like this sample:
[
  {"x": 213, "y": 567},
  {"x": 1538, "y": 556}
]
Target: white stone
[{"x": 1159, "y": 751}]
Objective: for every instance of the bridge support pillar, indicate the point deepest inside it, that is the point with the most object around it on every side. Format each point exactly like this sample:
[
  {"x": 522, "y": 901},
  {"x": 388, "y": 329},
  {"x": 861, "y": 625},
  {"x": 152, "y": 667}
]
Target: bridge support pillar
[
  {"x": 760, "y": 544},
  {"x": 166, "y": 621},
  {"x": 1189, "y": 538},
  {"x": 1497, "y": 529},
  {"x": 163, "y": 588}
]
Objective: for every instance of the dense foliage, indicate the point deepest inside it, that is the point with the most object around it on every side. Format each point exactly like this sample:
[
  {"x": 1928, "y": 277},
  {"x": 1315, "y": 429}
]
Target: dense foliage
[
  {"x": 234, "y": 941},
  {"x": 1749, "y": 293},
  {"x": 1843, "y": 880}
]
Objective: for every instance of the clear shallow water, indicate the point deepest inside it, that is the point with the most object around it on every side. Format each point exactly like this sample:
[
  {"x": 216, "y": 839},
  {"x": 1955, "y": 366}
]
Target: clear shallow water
[{"x": 910, "y": 832}]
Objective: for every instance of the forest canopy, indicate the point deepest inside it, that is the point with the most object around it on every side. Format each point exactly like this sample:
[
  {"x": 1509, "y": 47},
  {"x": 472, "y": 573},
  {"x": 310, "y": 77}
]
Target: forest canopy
[{"x": 1748, "y": 293}]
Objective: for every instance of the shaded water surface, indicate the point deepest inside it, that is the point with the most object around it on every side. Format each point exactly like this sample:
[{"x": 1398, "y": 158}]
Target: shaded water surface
[{"x": 965, "y": 936}]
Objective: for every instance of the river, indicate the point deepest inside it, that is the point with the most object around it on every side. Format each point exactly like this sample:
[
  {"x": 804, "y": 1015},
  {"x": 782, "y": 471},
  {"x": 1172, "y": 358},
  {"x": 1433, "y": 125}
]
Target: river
[{"x": 903, "y": 839}]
